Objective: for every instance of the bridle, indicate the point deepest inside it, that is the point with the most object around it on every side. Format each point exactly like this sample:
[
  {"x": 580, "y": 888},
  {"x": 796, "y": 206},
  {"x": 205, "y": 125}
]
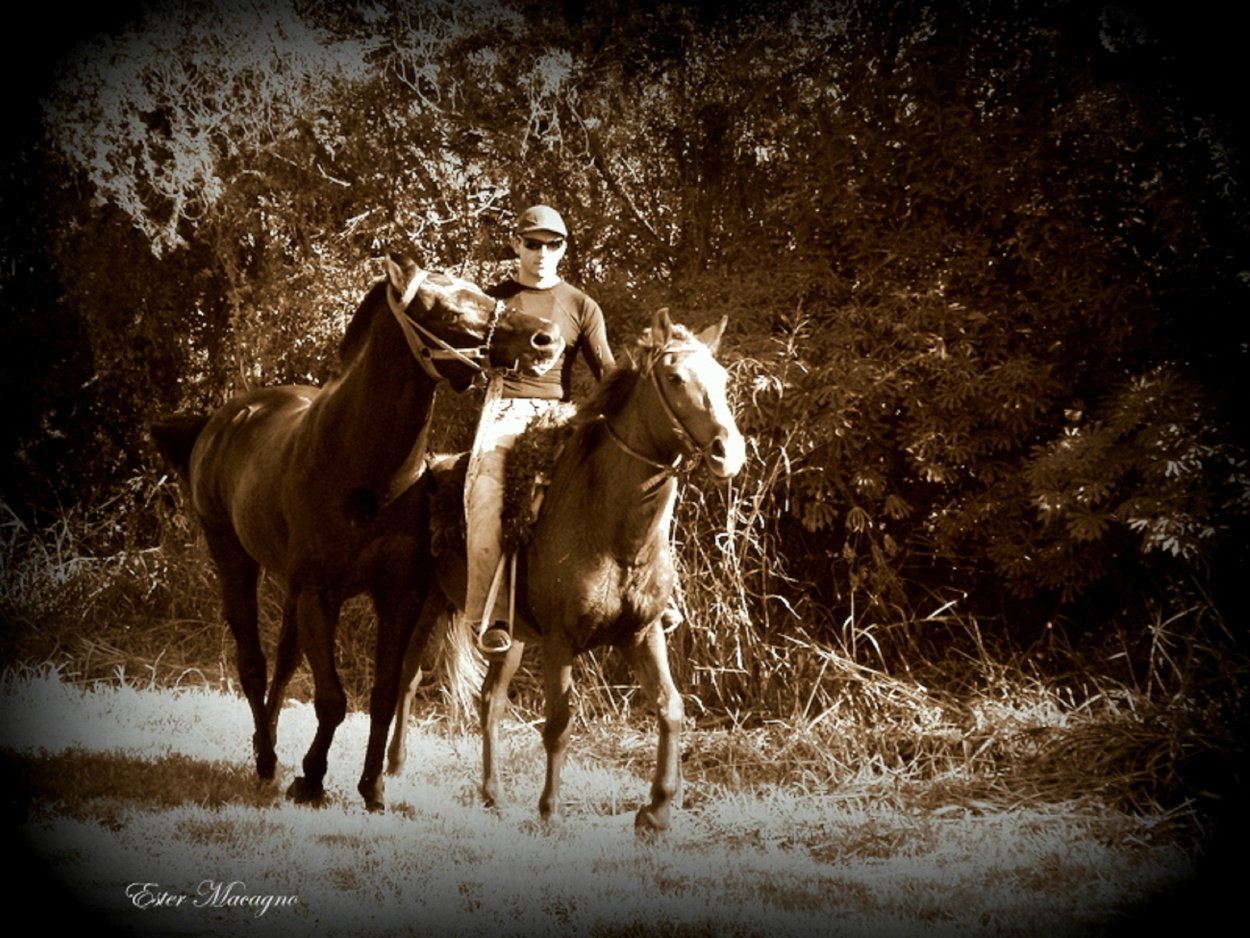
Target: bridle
[
  {"x": 428, "y": 348},
  {"x": 694, "y": 452}
]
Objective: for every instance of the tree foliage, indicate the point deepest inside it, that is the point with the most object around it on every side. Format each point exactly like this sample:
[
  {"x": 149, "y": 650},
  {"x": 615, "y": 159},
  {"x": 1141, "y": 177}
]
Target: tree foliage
[{"x": 984, "y": 262}]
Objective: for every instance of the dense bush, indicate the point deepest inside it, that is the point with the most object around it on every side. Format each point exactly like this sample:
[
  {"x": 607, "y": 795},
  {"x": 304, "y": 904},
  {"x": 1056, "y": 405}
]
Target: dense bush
[{"x": 983, "y": 265}]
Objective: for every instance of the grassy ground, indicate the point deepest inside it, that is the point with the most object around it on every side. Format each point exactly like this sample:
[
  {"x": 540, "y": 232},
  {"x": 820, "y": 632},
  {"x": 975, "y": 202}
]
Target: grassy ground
[
  {"x": 124, "y": 786},
  {"x": 967, "y": 795}
]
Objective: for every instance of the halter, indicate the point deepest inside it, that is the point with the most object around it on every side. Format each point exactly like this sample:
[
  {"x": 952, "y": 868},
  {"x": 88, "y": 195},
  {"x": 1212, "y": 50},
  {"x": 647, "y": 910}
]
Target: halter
[
  {"x": 476, "y": 358},
  {"x": 685, "y": 462}
]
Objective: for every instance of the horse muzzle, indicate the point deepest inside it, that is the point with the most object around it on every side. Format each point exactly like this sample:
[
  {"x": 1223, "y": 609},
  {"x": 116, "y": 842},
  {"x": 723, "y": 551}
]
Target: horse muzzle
[
  {"x": 544, "y": 351},
  {"x": 726, "y": 454}
]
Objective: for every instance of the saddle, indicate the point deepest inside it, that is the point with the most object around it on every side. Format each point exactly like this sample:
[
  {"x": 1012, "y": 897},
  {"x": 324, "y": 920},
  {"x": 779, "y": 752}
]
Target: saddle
[{"x": 527, "y": 472}]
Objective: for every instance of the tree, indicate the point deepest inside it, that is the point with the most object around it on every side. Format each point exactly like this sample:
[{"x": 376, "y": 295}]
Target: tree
[{"x": 983, "y": 263}]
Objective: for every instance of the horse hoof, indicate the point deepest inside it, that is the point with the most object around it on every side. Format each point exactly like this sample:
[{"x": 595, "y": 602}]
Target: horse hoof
[
  {"x": 304, "y": 792},
  {"x": 650, "y": 823},
  {"x": 374, "y": 801},
  {"x": 491, "y": 798}
]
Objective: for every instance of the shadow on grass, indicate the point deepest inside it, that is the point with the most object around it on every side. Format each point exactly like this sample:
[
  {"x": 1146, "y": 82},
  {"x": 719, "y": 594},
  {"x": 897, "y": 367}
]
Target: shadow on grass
[{"x": 93, "y": 785}]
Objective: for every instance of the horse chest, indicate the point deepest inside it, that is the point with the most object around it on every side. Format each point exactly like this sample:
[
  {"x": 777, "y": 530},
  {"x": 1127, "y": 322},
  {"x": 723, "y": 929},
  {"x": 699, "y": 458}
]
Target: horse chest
[
  {"x": 602, "y": 601},
  {"x": 643, "y": 594}
]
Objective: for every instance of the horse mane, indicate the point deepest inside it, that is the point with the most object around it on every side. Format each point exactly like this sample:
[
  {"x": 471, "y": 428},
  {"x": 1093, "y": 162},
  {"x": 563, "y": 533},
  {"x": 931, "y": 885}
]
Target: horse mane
[
  {"x": 613, "y": 391},
  {"x": 608, "y": 397},
  {"x": 362, "y": 320}
]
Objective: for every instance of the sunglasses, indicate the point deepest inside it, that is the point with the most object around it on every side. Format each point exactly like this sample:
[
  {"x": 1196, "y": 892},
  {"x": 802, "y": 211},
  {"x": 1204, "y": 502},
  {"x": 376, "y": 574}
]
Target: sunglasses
[{"x": 533, "y": 244}]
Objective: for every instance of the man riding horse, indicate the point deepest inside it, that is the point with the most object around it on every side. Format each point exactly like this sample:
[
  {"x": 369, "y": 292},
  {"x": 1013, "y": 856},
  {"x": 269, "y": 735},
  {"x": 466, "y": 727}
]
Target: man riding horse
[{"x": 513, "y": 402}]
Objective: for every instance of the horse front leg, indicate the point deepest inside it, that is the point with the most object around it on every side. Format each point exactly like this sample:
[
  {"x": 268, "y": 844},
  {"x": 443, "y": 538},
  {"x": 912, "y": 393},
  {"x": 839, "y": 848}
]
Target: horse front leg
[
  {"x": 317, "y": 617},
  {"x": 397, "y": 612},
  {"x": 558, "y": 685},
  {"x": 649, "y": 659},
  {"x": 499, "y": 675}
]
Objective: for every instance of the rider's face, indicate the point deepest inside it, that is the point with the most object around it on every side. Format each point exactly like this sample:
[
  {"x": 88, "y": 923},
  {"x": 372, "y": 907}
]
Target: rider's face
[{"x": 540, "y": 253}]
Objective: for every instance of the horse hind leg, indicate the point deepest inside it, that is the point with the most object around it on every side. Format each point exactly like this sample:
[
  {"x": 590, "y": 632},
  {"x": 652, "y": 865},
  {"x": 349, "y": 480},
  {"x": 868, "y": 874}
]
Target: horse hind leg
[
  {"x": 649, "y": 659},
  {"x": 558, "y": 686},
  {"x": 397, "y": 610},
  {"x": 287, "y": 660},
  {"x": 239, "y": 577},
  {"x": 397, "y": 752},
  {"x": 410, "y": 678},
  {"x": 439, "y": 642}
]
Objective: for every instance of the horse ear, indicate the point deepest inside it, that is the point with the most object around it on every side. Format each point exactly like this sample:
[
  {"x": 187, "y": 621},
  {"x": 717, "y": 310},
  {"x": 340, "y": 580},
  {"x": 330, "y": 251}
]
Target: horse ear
[
  {"x": 400, "y": 271},
  {"x": 661, "y": 328},
  {"x": 712, "y": 334}
]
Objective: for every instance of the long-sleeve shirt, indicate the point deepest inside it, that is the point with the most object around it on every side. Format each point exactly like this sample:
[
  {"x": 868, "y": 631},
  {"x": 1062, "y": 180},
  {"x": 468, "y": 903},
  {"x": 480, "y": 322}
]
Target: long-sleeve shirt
[{"x": 580, "y": 321}]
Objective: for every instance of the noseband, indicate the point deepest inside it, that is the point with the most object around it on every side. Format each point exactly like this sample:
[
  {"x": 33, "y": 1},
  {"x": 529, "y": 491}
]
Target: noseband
[
  {"x": 477, "y": 358},
  {"x": 684, "y": 462}
]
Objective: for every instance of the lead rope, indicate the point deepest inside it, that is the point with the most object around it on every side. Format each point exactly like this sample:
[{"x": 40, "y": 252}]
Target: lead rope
[{"x": 511, "y": 595}]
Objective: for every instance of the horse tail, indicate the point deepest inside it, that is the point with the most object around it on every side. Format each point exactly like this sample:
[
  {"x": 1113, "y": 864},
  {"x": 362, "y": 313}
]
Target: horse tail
[
  {"x": 175, "y": 437},
  {"x": 453, "y": 652}
]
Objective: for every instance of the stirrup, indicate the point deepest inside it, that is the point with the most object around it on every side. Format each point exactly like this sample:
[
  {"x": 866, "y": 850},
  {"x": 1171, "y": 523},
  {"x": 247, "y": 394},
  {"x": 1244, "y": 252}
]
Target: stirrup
[
  {"x": 495, "y": 642},
  {"x": 500, "y": 632}
]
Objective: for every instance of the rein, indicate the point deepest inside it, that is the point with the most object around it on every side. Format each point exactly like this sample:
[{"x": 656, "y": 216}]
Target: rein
[
  {"x": 678, "y": 425},
  {"x": 414, "y": 333}
]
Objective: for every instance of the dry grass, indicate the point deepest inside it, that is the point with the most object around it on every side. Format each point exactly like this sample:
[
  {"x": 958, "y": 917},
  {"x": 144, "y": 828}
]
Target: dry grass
[
  {"x": 89, "y": 597},
  {"x": 129, "y": 785},
  {"x": 966, "y": 796}
]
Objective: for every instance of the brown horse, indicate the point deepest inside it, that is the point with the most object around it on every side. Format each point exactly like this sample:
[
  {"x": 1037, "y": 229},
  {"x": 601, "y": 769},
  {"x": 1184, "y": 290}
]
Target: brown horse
[
  {"x": 319, "y": 486},
  {"x": 598, "y": 569}
]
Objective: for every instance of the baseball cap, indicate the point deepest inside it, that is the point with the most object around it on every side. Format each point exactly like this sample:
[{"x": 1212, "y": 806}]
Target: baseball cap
[{"x": 541, "y": 218}]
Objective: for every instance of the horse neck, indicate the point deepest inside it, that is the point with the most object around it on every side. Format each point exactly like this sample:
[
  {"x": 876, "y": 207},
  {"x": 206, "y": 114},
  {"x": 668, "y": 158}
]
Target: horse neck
[
  {"x": 639, "y": 508},
  {"x": 373, "y": 418}
]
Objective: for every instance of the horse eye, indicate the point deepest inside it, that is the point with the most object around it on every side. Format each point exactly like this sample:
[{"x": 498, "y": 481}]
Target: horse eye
[{"x": 676, "y": 379}]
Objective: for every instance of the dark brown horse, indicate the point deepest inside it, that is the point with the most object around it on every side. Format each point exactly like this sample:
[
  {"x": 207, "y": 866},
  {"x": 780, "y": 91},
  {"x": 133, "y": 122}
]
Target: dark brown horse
[
  {"x": 319, "y": 486},
  {"x": 599, "y": 567}
]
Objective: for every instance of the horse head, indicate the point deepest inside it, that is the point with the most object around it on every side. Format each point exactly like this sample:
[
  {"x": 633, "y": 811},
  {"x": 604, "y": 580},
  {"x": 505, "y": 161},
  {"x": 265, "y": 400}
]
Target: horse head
[
  {"x": 456, "y": 330},
  {"x": 692, "y": 388}
]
